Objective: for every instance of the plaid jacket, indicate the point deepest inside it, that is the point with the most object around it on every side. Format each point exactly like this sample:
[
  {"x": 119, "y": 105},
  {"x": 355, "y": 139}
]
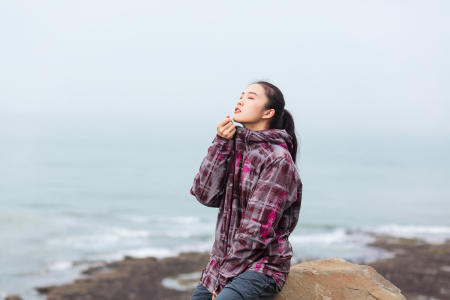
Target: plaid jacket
[{"x": 255, "y": 184}]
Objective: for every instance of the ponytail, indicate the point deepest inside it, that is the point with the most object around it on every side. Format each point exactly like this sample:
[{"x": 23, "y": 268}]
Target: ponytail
[
  {"x": 283, "y": 118},
  {"x": 287, "y": 123}
]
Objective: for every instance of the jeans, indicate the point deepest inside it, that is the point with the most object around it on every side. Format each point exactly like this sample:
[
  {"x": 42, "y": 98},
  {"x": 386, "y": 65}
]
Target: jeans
[{"x": 249, "y": 285}]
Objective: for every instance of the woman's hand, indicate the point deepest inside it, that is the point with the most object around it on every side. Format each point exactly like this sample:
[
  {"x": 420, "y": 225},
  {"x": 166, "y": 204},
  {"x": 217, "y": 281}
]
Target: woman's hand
[
  {"x": 214, "y": 295},
  {"x": 226, "y": 128}
]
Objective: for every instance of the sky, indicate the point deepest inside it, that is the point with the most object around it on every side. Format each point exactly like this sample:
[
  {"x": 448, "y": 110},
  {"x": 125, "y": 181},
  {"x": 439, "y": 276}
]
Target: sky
[{"x": 343, "y": 66}]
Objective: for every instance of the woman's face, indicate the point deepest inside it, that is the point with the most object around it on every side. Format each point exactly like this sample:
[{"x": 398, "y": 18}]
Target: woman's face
[{"x": 250, "y": 109}]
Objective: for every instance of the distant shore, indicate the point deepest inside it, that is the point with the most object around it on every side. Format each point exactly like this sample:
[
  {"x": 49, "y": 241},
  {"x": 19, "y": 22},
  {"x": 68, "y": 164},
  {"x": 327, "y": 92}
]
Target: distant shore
[{"x": 421, "y": 270}]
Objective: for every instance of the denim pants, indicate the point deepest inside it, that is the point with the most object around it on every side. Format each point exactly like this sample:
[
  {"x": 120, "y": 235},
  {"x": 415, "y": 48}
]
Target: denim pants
[{"x": 249, "y": 285}]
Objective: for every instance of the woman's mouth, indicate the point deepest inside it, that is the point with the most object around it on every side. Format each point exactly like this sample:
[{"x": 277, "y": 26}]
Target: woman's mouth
[{"x": 236, "y": 110}]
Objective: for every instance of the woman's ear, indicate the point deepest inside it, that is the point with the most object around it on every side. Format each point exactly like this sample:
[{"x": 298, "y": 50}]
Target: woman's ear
[{"x": 268, "y": 113}]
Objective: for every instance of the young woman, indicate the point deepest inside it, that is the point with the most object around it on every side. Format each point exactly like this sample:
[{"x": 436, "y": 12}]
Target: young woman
[{"x": 250, "y": 174}]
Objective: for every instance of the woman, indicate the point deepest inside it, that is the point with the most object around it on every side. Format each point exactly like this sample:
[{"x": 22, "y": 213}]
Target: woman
[{"x": 250, "y": 174}]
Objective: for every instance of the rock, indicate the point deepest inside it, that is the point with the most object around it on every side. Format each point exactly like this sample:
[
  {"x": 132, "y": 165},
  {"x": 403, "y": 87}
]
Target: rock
[
  {"x": 13, "y": 297},
  {"x": 336, "y": 279}
]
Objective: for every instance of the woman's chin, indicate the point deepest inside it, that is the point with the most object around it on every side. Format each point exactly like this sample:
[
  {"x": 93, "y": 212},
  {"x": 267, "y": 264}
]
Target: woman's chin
[{"x": 236, "y": 118}]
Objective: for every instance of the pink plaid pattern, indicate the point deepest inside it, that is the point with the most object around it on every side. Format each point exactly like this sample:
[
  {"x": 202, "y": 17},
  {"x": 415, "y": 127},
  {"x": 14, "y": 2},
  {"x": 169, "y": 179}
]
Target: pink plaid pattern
[{"x": 255, "y": 184}]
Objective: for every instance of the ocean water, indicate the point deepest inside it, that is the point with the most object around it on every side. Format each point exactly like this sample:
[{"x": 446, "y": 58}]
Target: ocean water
[{"x": 75, "y": 191}]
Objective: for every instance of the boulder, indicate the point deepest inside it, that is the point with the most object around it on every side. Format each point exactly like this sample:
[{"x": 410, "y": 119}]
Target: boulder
[{"x": 336, "y": 279}]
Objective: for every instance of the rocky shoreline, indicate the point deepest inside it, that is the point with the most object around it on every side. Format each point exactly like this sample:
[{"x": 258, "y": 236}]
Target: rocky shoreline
[
  {"x": 131, "y": 278},
  {"x": 419, "y": 269}
]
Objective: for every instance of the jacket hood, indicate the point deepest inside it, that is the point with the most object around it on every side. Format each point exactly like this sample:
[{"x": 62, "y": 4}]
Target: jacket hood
[{"x": 275, "y": 136}]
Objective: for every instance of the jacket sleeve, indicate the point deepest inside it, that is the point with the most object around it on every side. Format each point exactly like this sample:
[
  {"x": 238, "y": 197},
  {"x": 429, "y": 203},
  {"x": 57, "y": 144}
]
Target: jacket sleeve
[
  {"x": 270, "y": 198},
  {"x": 209, "y": 182}
]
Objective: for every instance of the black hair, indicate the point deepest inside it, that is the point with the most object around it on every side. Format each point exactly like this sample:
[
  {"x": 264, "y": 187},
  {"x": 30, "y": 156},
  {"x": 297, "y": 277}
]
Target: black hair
[{"x": 283, "y": 118}]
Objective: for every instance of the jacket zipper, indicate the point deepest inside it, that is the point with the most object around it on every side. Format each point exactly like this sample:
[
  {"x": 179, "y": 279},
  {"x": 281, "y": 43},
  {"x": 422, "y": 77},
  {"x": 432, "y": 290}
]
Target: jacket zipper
[
  {"x": 224, "y": 188},
  {"x": 232, "y": 195},
  {"x": 226, "y": 245},
  {"x": 243, "y": 160},
  {"x": 234, "y": 185}
]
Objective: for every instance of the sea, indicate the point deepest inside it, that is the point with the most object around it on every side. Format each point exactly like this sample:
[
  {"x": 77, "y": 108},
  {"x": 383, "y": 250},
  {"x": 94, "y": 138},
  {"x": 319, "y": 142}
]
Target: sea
[{"x": 75, "y": 191}]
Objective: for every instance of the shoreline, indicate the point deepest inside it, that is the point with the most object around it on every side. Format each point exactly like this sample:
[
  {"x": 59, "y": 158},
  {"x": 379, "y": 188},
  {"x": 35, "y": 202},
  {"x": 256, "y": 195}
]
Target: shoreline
[{"x": 420, "y": 269}]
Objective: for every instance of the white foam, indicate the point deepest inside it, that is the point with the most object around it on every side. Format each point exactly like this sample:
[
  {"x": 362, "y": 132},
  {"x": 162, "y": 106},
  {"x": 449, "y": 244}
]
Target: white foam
[
  {"x": 352, "y": 243},
  {"x": 142, "y": 253},
  {"x": 431, "y": 234},
  {"x": 161, "y": 219},
  {"x": 93, "y": 241},
  {"x": 319, "y": 238},
  {"x": 60, "y": 265},
  {"x": 115, "y": 235},
  {"x": 159, "y": 252},
  {"x": 127, "y": 233}
]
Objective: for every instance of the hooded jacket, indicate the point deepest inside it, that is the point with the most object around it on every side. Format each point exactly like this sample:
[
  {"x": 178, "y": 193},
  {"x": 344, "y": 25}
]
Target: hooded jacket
[{"x": 254, "y": 182}]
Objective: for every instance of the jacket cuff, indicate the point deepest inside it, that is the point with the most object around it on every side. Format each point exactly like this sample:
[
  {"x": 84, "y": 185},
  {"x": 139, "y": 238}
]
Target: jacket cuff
[
  {"x": 220, "y": 141},
  {"x": 219, "y": 288}
]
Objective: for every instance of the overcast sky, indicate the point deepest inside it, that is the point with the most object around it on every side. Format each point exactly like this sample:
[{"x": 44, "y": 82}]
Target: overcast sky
[{"x": 376, "y": 66}]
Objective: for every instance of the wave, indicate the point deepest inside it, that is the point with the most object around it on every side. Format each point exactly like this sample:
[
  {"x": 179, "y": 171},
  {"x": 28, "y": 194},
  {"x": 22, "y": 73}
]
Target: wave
[
  {"x": 136, "y": 218},
  {"x": 361, "y": 235},
  {"x": 346, "y": 242},
  {"x": 322, "y": 238},
  {"x": 431, "y": 234},
  {"x": 161, "y": 219},
  {"x": 413, "y": 229},
  {"x": 158, "y": 252},
  {"x": 60, "y": 265},
  {"x": 114, "y": 235}
]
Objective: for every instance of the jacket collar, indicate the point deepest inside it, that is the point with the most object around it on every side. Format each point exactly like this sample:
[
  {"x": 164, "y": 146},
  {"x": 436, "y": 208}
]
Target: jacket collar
[{"x": 261, "y": 137}]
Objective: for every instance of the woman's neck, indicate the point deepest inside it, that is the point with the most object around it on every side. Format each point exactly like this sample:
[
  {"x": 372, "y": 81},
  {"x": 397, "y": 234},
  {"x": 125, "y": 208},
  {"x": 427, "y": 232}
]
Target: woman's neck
[{"x": 256, "y": 126}]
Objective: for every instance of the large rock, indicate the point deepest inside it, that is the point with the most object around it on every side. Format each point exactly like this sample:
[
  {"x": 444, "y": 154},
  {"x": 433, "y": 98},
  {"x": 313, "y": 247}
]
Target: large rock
[{"x": 336, "y": 279}]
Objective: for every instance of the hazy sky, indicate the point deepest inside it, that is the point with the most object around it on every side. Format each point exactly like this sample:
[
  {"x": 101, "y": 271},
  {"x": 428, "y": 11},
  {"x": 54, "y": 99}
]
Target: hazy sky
[{"x": 375, "y": 66}]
